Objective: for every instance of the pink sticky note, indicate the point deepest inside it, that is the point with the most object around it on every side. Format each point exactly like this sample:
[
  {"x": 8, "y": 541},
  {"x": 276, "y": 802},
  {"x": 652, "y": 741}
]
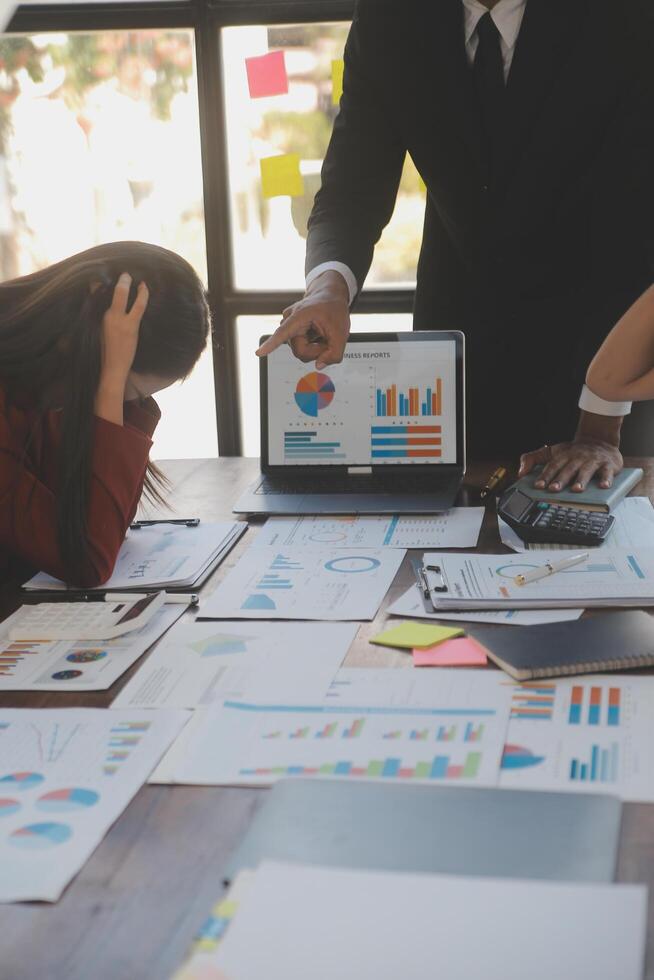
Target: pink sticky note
[
  {"x": 267, "y": 75},
  {"x": 464, "y": 652}
]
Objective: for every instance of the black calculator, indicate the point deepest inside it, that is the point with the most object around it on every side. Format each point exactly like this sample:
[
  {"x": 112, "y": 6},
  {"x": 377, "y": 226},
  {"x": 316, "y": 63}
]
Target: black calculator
[{"x": 546, "y": 522}]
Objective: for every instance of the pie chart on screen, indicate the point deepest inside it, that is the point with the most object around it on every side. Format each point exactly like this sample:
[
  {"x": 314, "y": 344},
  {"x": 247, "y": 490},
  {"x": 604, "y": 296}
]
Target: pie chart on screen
[{"x": 314, "y": 392}]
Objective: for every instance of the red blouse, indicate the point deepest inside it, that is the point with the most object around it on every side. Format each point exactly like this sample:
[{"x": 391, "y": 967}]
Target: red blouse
[{"x": 28, "y": 488}]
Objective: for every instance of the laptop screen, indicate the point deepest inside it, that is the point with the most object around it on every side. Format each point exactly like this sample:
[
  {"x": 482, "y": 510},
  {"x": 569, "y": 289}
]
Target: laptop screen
[{"x": 395, "y": 399}]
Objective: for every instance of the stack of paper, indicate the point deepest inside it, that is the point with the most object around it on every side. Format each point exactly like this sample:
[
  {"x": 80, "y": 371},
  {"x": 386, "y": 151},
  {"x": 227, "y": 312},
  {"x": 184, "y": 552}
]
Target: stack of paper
[
  {"x": 606, "y": 578},
  {"x": 163, "y": 556},
  {"x": 412, "y": 603},
  {"x": 371, "y": 925}
]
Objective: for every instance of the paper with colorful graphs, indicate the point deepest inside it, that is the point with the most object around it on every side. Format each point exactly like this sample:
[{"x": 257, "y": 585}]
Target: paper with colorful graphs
[
  {"x": 66, "y": 775},
  {"x": 409, "y": 730}
]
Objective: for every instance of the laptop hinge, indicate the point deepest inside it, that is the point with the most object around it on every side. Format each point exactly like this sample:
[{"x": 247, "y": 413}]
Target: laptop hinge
[{"x": 355, "y": 470}]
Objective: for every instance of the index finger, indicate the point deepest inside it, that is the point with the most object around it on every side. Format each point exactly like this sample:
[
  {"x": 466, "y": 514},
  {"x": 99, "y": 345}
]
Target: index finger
[{"x": 294, "y": 325}]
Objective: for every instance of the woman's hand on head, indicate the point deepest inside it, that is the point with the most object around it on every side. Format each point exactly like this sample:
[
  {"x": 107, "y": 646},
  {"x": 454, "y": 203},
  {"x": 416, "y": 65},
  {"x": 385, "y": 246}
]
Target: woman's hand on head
[
  {"x": 120, "y": 331},
  {"x": 120, "y": 336}
]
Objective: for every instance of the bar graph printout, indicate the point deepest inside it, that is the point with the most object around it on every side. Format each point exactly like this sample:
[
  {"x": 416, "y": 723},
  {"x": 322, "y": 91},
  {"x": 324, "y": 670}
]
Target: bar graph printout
[
  {"x": 586, "y": 734},
  {"x": 454, "y": 735},
  {"x": 385, "y": 403},
  {"x": 299, "y": 583}
]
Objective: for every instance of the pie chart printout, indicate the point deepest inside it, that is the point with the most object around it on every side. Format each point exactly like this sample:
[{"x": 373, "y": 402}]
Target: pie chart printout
[
  {"x": 21, "y": 780},
  {"x": 64, "y": 800},
  {"x": 314, "y": 392},
  {"x": 40, "y": 836},
  {"x": 8, "y": 806}
]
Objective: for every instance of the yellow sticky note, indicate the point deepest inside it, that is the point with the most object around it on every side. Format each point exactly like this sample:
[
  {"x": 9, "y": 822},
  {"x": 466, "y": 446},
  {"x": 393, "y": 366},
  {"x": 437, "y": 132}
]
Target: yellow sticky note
[
  {"x": 281, "y": 175},
  {"x": 416, "y": 635},
  {"x": 337, "y": 80}
]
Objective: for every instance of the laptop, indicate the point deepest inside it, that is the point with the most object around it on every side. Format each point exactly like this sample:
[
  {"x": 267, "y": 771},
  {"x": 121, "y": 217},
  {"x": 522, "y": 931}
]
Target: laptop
[{"x": 383, "y": 432}]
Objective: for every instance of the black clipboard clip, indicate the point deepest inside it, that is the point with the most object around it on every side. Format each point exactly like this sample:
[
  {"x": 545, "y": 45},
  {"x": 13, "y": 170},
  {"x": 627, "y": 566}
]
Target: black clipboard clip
[{"x": 181, "y": 521}]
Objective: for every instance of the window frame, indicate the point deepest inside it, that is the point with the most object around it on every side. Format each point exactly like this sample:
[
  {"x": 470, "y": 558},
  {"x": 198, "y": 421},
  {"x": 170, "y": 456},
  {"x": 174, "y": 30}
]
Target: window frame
[{"x": 206, "y": 18}]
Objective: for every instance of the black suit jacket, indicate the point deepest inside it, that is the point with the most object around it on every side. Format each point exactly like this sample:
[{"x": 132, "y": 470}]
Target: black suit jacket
[{"x": 536, "y": 264}]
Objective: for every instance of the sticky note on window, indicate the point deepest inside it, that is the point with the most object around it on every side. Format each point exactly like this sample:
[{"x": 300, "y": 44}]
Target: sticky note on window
[
  {"x": 267, "y": 75},
  {"x": 464, "y": 652},
  {"x": 410, "y": 635},
  {"x": 337, "y": 80},
  {"x": 281, "y": 175}
]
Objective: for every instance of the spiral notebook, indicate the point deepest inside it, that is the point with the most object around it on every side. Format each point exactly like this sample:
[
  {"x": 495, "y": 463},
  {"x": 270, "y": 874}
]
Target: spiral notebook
[{"x": 611, "y": 641}]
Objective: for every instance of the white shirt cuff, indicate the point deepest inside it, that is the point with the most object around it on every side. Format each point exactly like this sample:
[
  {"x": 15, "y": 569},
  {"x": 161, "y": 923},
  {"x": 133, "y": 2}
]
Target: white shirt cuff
[
  {"x": 590, "y": 402},
  {"x": 340, "y": 267}
]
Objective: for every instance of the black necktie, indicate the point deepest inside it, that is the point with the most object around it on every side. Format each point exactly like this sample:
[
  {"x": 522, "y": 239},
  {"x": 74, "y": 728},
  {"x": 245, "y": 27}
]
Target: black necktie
[{"x": 489, "y": 83}]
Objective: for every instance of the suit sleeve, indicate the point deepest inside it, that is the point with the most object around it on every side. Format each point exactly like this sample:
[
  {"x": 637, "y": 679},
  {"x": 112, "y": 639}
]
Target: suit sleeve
[
  {"x": 363, "y": 164},
  {"x": 28, "y": 506}
]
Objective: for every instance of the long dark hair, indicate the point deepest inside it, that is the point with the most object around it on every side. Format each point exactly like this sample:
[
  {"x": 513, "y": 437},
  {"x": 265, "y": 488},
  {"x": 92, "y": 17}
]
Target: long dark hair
[{"x": 50, "y": 333}]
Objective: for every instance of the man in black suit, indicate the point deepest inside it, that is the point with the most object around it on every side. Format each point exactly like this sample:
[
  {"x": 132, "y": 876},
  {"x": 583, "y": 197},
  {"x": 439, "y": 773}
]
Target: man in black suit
[{"x": 531, "y": 123}]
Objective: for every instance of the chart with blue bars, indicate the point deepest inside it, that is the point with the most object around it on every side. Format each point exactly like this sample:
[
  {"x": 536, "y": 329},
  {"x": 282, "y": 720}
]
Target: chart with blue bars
[
  {"x": 306, "y": 446},
  {"x": 602, "y": 766}
]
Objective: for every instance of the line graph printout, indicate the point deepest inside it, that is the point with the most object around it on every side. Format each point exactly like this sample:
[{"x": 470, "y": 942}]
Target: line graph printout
[
  {"x": 202, "y": 662},
  {"x": 607, "y": 577},
  {"x": 454, "y": 733},
  {"x": 298, "y": 583},
  {"x": 590, "y": 734},
  {"x": 457, "y": 528},
  {"x": 65, "y": 776},
  {"x": 384, "y": 403}
]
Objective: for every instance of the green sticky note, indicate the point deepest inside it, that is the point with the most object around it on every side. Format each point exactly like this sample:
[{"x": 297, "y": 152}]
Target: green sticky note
[{"x": 412, "y": 635}]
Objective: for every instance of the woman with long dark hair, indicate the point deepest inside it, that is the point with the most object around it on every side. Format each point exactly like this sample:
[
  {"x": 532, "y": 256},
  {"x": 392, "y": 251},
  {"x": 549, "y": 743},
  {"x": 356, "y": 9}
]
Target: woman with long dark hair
[{"x": 83, "y": 346}]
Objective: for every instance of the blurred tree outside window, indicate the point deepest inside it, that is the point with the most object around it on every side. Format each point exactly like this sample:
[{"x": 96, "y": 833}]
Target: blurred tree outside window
[{"x": 99, "y": 142}]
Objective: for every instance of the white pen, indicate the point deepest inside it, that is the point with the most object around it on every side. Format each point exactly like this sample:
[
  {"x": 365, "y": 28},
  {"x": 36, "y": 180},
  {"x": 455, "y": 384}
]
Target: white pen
[
  {"x": 549, "y": 568},
  {"x": 187, "y": 599}
]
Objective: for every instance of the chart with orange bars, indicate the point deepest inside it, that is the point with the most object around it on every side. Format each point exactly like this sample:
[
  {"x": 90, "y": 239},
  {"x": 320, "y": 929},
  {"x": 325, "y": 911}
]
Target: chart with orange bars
[{"x": 401, "y": 441}]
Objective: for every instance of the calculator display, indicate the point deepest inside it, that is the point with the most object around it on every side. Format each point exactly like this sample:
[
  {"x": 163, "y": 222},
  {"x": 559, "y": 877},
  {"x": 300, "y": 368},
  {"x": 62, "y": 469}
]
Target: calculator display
[{"x": 516, "y": 505}]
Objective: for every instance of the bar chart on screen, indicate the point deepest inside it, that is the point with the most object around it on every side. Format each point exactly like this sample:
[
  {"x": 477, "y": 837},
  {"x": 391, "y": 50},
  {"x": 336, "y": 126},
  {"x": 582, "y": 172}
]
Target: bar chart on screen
[{"x": 412, "y": 401}]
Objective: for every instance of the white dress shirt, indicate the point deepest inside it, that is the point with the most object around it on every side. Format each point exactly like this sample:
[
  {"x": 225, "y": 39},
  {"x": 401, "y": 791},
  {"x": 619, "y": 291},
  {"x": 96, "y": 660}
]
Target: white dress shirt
[{"x": 507, "y": 15}]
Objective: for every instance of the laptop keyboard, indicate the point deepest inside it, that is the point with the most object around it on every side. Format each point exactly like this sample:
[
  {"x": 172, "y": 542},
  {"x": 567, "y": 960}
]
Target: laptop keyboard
[{"x": 360, "y": 484}]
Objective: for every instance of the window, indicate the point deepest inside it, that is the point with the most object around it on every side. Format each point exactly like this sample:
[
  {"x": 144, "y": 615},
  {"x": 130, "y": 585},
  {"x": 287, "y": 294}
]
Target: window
[
  {"x": 95, "y": 131},
  {"x": 298, "y": 67},
  {"x": 153, "y": 121}
]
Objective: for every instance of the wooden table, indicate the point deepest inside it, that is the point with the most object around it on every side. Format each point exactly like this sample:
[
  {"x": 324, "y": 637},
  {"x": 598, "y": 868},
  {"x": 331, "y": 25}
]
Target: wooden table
[{"x": 134, "y": 908}]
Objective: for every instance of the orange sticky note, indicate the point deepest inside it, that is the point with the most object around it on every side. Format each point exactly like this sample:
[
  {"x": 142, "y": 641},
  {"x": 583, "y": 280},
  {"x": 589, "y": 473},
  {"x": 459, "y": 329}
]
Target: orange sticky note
[
  {"x": 267, "y": 75},
  {"x": 338, "y": 67},
  {"x": 281, "y": 175},
  {"x": 465, "y": 652}
]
